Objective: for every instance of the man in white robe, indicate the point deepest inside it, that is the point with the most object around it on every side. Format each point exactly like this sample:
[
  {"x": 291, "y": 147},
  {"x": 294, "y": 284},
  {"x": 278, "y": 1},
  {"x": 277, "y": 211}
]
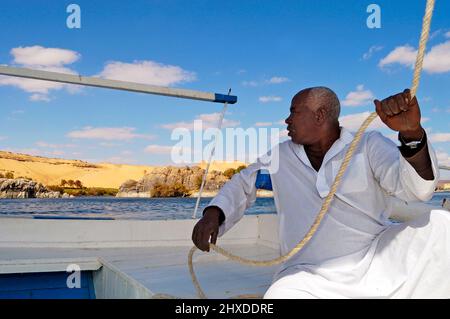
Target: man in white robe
[{"x": 357, "y": 252}]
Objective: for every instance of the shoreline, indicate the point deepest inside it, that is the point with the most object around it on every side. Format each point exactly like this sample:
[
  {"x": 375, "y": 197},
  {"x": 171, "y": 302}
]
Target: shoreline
[{"x": 205, "y": 194}]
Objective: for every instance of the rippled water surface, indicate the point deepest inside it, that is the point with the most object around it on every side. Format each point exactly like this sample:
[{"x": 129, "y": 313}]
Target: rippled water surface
[
  {"x": 118, "y": 208},
  {"x": 129, "y": 208}
]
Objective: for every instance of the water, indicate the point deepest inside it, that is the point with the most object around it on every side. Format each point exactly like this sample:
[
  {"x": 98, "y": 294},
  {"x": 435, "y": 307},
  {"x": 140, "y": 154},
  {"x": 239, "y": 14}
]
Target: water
[
  {"x": 130, "y": 208},
  {"x": 118, "y": 208}
]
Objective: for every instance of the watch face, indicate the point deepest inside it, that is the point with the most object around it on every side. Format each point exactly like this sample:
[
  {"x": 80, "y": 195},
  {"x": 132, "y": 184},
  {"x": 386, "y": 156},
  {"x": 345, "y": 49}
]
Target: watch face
[{"x": 412, "y": 144}]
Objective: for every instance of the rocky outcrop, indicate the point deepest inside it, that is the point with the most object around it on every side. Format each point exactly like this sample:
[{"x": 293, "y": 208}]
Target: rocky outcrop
[
  {"x": 24, "y": 188},
  {"x": 177, "y": 181}
]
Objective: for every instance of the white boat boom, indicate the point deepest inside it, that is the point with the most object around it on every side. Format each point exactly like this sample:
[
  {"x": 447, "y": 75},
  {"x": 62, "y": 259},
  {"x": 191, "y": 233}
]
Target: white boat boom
[{"x": 116, "y": 85}]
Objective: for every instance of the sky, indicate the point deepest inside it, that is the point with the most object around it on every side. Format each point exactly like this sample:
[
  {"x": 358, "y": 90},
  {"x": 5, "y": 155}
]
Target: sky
[{"x": 265, "y": 51}]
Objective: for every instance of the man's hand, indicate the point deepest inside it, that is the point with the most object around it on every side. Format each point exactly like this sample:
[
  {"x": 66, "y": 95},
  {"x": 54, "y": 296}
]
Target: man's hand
[
  {"x": 205, "y": 228},
  {"x": 401, "y": 113}
]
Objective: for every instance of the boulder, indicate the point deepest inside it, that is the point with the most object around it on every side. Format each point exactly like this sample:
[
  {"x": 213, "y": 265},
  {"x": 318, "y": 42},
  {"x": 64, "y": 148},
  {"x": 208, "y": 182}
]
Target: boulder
[
  {"x": 185, "y": 179},
  {"x": 24, "y": 188}
]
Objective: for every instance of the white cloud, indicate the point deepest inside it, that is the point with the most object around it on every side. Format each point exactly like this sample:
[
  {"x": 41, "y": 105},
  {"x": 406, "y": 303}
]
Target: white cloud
[
  {"x": 44, "y": 59},
  {"x": 38, "y": 55},
  {"x": 250, "y": 83},
  {"x": 39, "y": 97},
  {"x": 49, "y": 145},
  {"x": 2, "y": 138},
  {"x": 405, "y": 55},
  {"x": 265, "y": 124},
  {"x": 435, "y": 33},
  {"x": 443, "y": 158},
  {"x": 158, "y": 149},
  {"x": 354, "y": 121},
  {"x": 109, "y": 144},
  {"x": 126, "y": 152},
  {"x": 272, "y": 80},
  {"x": 36, "y": 152},
  {"x": 56, "y": 153},
  {"x": 447, "y": 35},
  {"x": 437, "y": 60},
  {"x": 123, "y": 158},
  {"x": 209, "y": 120},
  {"x": 359, "y": 97},
  {"x": 271, "y": 98},
  {"x": 117, "y": 160},
  {"x": 147, "y": 72},
  {"x": 372, "y": 50},
  {"x": 277, "y": 80},
  {"x": 283, "y": 133},
  {"x": 440, "y": 137},
  {"x": 108, "y": 133},
  {"x": 426, "y": 99}
]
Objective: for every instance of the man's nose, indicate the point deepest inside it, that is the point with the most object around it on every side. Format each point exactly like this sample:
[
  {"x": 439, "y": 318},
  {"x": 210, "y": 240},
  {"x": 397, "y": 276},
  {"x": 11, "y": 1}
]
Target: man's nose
[{"x": 288, "y": 120}]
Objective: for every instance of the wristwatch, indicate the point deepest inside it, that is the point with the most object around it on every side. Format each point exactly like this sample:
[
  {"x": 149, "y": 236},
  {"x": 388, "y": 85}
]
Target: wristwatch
[{"x": 413, "y": 144}]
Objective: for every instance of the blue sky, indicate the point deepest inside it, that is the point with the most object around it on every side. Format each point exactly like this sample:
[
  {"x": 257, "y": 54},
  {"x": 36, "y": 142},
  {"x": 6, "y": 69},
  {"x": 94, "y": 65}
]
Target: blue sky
[{"x": 264, "y": 50}]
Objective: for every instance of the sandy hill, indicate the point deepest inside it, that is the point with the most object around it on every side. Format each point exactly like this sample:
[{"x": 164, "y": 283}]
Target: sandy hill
[
  {"x": 221, "y": 165},
  {"x": 50, "y": 171}
]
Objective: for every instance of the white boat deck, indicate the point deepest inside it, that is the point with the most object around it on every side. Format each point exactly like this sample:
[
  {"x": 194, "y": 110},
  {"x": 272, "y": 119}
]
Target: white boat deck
[
  {"x": 138, "y": 259},
  {"x": 146, "y": 266},
  {"x": 159, "y": 269}
]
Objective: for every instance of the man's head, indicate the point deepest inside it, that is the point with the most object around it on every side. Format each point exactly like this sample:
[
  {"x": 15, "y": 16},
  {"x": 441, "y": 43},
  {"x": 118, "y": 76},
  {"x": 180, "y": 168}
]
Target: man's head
[{"x": 314, "y": 112}]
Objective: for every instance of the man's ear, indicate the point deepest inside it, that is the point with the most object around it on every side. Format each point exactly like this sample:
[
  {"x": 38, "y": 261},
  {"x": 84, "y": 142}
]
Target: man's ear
[{"x": 320, "y": 115}]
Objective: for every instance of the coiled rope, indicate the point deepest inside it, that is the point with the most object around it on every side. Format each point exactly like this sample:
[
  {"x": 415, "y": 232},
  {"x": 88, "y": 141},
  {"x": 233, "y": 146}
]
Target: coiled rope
[{"x": 326, "y": 204}]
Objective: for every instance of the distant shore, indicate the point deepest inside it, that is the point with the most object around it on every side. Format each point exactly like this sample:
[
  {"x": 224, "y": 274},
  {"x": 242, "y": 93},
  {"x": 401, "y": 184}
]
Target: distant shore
[{"x": 50, "y": 171}]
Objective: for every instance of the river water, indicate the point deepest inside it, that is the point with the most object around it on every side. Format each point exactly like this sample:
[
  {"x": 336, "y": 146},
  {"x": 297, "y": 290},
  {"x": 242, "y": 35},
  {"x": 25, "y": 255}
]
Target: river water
[{"x": 129, "y": 208}]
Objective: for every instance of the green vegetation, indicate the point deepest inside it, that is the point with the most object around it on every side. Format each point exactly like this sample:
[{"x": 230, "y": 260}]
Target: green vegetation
[
  {"x": 198, "y": 182},
  {"x": 240, "y": 168},
  {"x": 92, "y": 191},
  {"x": 231, "y": 171},
  {"x": 169, "y": 190},
  {"x": 71, "y": 183},
  {"x": 76, "y": 188},
  {"x": 9, "y": 175},
  {"x": 56, "y": 188}
]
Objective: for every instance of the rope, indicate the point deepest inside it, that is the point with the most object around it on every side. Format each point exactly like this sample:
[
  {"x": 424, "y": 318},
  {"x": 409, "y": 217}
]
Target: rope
[
  {"x": 326, "y": 204},
  {"x": 213, "y": 150}
]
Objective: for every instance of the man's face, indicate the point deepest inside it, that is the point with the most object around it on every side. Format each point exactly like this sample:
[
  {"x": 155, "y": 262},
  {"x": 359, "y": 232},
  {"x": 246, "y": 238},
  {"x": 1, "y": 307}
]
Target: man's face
[{"x": 301, "y": 121}]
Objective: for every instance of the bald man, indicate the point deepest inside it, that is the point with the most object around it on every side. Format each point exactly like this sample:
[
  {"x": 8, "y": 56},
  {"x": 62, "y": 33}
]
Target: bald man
[{"x": 357, "y": 252}]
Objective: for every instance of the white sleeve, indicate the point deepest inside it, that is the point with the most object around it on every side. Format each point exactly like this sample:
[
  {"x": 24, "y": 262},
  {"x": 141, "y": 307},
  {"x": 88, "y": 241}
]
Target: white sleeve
[
  {"x": 395, "y": 174},
  {"x": 236, "y": 196}
]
